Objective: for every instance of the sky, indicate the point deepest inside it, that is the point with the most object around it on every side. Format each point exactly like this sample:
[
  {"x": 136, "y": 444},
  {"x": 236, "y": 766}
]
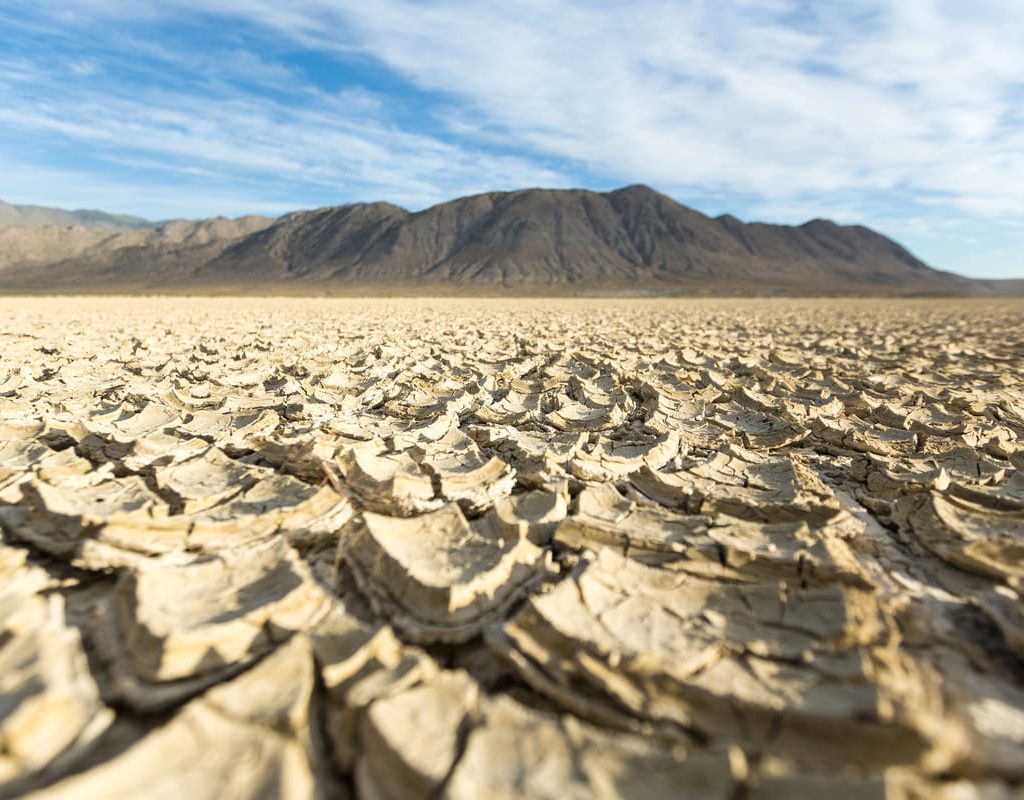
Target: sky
[{"x": 903, "y": 115}]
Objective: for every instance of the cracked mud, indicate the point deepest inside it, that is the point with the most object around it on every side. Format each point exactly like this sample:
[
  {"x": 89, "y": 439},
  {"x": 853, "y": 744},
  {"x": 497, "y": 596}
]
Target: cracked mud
[{"x": 478, "y": 549}]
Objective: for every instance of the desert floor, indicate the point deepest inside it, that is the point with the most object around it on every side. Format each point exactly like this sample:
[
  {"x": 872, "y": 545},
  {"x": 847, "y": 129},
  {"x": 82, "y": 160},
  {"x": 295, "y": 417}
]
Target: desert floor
[{"x": 511, "y": 548}]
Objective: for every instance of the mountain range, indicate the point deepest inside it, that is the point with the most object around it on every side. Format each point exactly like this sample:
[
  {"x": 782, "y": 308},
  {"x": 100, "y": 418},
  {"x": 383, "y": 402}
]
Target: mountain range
[
  {"x": 632, "y": 240},
  {"x": 16, "y": 215}
]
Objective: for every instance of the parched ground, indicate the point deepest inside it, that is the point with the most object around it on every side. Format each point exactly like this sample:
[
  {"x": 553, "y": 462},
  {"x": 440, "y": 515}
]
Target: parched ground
[{"x": 523, "y": 548}]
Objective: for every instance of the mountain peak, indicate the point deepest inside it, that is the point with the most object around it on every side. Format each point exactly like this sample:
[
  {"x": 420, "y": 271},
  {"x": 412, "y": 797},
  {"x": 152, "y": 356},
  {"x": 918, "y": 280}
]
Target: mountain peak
[
  {"x": 637, "y": 190},
  {"x": 821, "y": 222},
  {"x": 633, "y": 239}
]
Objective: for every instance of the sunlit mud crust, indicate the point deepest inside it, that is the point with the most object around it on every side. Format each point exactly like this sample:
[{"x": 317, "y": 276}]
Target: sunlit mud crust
[{"x": 518, "y": 548}]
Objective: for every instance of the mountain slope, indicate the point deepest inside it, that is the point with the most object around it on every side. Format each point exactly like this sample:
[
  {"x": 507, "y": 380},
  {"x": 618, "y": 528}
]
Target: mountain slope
[
  {"x": 631, "y": 240},
  {"x": 28, "y": 245},
  {"x": 31, "y": 257}
]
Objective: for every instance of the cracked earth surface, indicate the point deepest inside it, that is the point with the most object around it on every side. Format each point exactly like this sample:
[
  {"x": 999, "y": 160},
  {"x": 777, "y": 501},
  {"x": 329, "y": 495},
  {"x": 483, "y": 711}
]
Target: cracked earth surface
[{"x": 467, "y": 549}]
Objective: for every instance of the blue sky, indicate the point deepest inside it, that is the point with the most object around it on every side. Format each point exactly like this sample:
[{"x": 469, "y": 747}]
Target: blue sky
[{"x": 905, "y": 115}]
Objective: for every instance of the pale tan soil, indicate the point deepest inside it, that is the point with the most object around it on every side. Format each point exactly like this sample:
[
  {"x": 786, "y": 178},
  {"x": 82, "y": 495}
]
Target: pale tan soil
[{"x": 491, "y": 548}]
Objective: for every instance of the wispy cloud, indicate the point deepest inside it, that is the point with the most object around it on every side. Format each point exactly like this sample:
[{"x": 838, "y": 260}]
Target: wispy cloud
[
  {"x": 82, "y": 188},
  {"x": 203, "y": 122},
  {"x": 771, "y": 97},
  {"x": 855, "y": 109}
]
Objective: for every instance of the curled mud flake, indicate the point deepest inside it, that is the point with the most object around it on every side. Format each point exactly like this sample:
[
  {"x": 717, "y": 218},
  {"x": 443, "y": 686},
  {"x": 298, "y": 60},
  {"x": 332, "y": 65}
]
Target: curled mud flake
[
  {"x": 167, "y": 632},
  {"x": 970, "y": 536},
  {"x": 50, "y": 705},
  {"x": 252, "y": 736},
  {"x": 435, "y": 576}
]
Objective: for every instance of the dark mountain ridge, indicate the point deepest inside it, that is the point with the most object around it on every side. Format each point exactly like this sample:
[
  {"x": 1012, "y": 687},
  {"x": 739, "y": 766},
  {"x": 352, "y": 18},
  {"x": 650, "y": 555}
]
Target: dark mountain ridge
[{"x": 569, "y": 241}]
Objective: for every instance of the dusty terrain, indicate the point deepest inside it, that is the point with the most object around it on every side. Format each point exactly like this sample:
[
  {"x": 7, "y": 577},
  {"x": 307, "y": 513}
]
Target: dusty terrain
[{"x": 484, "y": 549}]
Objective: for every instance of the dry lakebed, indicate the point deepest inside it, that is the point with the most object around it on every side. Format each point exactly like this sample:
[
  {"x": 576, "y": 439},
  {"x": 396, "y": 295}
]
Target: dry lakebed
[{"x": 484, "y": 548}]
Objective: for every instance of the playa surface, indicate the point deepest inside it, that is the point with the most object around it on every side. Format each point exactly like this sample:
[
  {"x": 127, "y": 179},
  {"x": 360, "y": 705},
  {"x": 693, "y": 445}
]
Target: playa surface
[{"x": 511, "y": 548}]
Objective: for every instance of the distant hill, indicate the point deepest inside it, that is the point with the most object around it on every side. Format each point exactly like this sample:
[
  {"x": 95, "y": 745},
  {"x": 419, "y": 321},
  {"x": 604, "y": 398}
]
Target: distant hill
[
  {"x": 42, "y": 244},
  {"x": 85, "y": 258},
  {"x": 1002, "y": 286},
  {"x": 632, "y": 240},
  {"x": 34, "y": 216}
]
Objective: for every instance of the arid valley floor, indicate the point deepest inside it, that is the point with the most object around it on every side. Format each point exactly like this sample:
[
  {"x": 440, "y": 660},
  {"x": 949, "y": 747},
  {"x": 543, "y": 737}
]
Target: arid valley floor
[{"x": 511, "y": 548}]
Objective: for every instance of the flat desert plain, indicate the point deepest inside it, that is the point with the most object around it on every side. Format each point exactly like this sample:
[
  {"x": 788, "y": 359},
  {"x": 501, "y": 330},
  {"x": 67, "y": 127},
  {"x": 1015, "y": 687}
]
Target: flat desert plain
[{"x": 511, "y": 548}]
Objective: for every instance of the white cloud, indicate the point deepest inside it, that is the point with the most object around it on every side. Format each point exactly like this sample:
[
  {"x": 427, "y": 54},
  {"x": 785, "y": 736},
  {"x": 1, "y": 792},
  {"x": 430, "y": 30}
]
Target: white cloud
[
  {"x": 340, "y": 142},
  {"x": 80, "y": 188},
  {"x": 82, "y": 68},
  {"x": 776, "y": 98},
  {"x": 918, "y": 93}
]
